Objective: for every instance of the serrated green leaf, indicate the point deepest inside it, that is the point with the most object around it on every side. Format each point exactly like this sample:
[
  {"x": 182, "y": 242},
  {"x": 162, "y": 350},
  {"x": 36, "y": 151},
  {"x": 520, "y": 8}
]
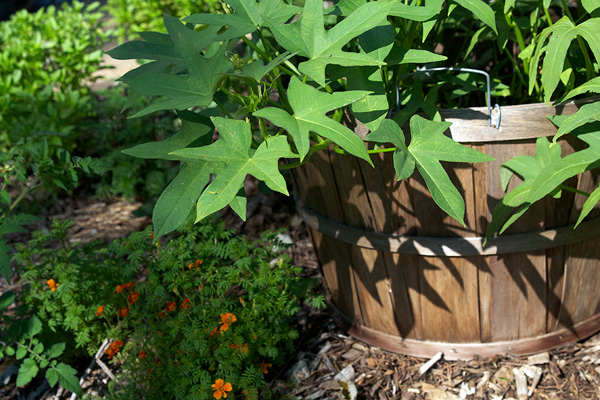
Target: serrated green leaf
[
  {"x": 56, "y": 350},
  {"x": 588, "y": 206},
  {"x": 308, "y": 38},
  {"x": 27, "y": 372},
  {"x": 52, "y": 376},
  {"x": 429, "y": 146},
  {"x": 235, "y": 158},
  {"x": 67, "y": 377},
  {"x": 481, "y": 10},
  {"x": 310, "y": 106},
  {"x": 39, "y": 348},
  {"x": 586, "y": 114},
  {"x": 176, "y": 201},
  {"x": 33, "y": 326},
  {"x": 193, "y": 127}
]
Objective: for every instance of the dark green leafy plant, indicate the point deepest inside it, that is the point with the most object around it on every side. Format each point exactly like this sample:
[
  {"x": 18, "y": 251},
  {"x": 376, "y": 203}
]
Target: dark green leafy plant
[
  {"x": 133, "y": 16},
  {"x": 213, "y": 306},
  {"x": 25, "y": 168},
  {"x": 47, "y": 59},
  {"x": 277, "y": 80}
]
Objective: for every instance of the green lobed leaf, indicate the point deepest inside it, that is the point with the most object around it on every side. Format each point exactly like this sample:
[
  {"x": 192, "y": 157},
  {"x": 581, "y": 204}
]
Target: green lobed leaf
[
  {"x": 593, "y": 85},
  {"x": 481, "y": 10},
  {"x": 33, "y": 326},
  {"x": 177, "y": 200},
  {"x": 416, "y": 13},
  {"x": 193, "y": 127},
  {"x": 589, "y": 205},
  {"x": 310, "y": 106},
  {"x": 257, "y": 70},
  {"x": 412, "y": 56},
  {"x": 21, "y": 353},
  {"x": 562, "y": 34},
  {"x": 27, "y": 371},
  {"x": 554, "y": 174},
  {"x": 246, "y": 16},
  {"x": 307, "y": 37},
  {"x": 184, "y": 91},
  {"x": 427, "y": 148},
  {"x": 235, "y": 158},
  {"x": 586, "y": 114}
]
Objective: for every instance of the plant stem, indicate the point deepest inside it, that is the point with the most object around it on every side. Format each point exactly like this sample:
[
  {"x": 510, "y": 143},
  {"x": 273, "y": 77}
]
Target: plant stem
[
  {"x": 313, "y": 149},
  {"x": 222, "y": 107},
  {"x": 570, "y": 189},
  {"x": 263, "y": 128}
]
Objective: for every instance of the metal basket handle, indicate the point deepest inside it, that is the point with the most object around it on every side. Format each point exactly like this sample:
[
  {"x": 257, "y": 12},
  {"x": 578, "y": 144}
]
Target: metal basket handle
[{"x": 454, "y": 69}]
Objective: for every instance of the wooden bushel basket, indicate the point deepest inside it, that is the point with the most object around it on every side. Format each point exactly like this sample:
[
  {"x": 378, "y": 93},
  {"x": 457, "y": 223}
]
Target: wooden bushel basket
[{"x": 402, "y": 275}]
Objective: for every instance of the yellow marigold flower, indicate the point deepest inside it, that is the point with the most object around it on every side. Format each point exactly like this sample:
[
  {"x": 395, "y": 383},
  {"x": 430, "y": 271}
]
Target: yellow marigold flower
[
  {"x": 53, "y": 285},
  {"x": 221, "y": 388}
]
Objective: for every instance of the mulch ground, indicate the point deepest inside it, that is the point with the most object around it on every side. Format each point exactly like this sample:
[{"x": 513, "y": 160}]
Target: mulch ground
[{"x": 329, "y": 364}]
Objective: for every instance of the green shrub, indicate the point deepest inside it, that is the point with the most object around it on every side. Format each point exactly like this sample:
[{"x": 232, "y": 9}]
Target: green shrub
[
  {"x": 207, "y": 305},
  {"x": 213, "y": 306},
  {"x": 132, "y": 16},
  {"x": 46, "y": 58}
]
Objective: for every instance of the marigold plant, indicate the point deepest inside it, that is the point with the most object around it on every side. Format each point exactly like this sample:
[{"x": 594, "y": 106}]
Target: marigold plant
[{"x": 210, "y": 332}]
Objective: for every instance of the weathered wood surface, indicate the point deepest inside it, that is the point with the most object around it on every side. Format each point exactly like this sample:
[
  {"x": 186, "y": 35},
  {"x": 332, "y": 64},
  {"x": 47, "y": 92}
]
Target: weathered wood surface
[{"x": 403, "y": 272}]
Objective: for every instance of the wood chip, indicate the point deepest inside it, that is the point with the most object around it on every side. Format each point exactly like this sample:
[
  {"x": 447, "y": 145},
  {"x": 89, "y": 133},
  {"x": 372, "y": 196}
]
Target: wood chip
[
  {"x": 521, "y": 383},
  {"x": 541, "y": 358},
  {"x": 425, "y": 367}
]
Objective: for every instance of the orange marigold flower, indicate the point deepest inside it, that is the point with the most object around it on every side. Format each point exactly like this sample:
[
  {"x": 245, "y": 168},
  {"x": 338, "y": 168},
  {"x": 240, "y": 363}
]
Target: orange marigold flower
[
  {"x": 129, "y": 285},
  {"x": 195, "y": 264},
  {"x": 100, "y": 310},
  {"x": 161, "y": 314},
  {"x": 214, "y": 332},
  {"x": 221, "y": 388},
  {"x": 119, "y": 289},
  {"x": 113, "y": 348},
  {"x": 142, "y": 354},
  {"x": 171, "y": 306},
  {"x": 53, "y": 285},
  {"x": 151, "y": 236},
  {"x": 133, "y": 297},
  {"x": 123, "y": 312},
  {"x": 226, "y": 320},
  {"x": 263, "y": 367},
  {"x": 243, "y": 348},
  {"x": 186, "y": 304}
]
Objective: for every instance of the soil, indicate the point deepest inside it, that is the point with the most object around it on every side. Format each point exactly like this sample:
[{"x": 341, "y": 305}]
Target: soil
[{"x": 329, "y": 364}]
